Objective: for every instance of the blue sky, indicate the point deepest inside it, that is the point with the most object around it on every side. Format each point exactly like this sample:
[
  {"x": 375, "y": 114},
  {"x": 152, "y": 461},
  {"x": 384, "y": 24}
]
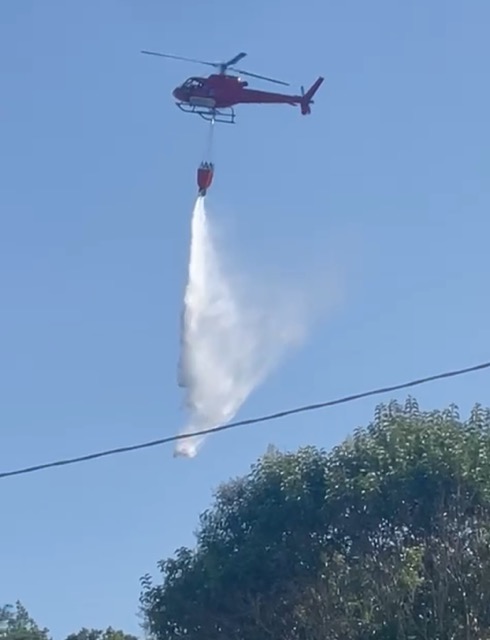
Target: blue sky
[{"x": 387, "y": 180}]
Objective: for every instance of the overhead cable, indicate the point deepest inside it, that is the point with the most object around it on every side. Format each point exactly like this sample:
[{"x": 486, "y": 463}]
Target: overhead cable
[{"x": 249, "y": 421}]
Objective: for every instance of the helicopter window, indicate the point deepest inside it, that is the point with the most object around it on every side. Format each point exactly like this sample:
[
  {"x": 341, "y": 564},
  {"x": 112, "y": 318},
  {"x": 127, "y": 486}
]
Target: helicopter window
[{"x": 193, "y": 83}]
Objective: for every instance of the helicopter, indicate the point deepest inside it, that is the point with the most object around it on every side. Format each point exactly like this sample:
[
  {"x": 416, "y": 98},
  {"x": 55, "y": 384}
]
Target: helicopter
[{"x": 214, "y": 97}]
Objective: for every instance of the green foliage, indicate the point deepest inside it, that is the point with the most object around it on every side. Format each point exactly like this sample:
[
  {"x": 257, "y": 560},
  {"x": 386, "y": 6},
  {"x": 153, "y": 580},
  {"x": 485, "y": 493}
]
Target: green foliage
[
  {"x": 16, "y": 624},
  {"x": 99, "y": 634},
  {"x": 386, "y": 537}
]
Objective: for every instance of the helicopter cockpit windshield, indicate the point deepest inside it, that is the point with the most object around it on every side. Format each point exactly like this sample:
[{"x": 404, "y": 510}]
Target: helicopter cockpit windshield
[{"x": 193, "y": 83}]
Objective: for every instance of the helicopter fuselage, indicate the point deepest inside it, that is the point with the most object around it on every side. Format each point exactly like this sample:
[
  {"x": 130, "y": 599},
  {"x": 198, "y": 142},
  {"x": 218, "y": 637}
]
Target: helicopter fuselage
[{"x": 219, "y": 91}]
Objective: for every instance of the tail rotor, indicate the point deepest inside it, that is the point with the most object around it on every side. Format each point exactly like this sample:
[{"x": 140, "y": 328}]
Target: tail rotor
[{"x": 307, "y": 97}]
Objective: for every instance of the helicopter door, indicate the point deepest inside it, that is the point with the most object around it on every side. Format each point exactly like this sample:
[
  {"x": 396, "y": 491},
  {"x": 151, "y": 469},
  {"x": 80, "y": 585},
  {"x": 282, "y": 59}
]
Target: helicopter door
[{"x": 202, "y": 101}]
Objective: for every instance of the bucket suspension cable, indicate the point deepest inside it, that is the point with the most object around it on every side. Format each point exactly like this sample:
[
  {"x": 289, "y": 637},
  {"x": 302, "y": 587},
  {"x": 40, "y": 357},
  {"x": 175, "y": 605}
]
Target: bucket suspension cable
[
  {"x": 208, "y": 151},
  {"x": 204, "y": 177},
  {"x": 205, "y": 171}
]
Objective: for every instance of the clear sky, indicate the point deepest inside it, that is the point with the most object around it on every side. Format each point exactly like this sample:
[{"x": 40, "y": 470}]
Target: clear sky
[{"x": 387, "y": 181}]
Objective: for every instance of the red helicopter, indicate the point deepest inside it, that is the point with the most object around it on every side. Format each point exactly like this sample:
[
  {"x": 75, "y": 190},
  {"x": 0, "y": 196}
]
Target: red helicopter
[{"x": 214, "y": 97}]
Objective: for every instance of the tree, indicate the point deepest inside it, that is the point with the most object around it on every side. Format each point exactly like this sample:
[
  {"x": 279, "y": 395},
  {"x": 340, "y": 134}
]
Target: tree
[
  {"x": 16, "y": 624},
  {"x": 99, "y": 634},
  {"x": 386, "y": 537}
]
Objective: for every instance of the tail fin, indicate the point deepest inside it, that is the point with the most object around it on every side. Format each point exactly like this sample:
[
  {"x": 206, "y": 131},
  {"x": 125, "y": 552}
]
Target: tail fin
[{"x": 307, "y": 97}]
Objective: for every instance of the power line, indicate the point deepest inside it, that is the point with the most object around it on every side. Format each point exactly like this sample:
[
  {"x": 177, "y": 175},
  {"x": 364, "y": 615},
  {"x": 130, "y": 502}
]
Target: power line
[{"x": 249, "y": 421}]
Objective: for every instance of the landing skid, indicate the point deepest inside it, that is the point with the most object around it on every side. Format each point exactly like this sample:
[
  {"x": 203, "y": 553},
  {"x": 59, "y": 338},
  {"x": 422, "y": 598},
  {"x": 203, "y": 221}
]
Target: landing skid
[{"x": 226, "y": 116}]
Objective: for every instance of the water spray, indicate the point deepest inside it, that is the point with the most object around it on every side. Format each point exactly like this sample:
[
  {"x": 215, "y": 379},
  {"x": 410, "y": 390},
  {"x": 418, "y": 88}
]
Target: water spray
[{"x": 228, "y": 344}]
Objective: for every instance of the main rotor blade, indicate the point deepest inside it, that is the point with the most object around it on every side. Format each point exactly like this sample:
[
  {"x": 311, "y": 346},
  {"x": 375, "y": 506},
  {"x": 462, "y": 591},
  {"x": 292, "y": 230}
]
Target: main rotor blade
[
  {"x": 254, "y": 75},
  {"x": 219, "y": 65},
  {"x": 235, "y": 59},
  {"x": 167, "y": 55}
]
